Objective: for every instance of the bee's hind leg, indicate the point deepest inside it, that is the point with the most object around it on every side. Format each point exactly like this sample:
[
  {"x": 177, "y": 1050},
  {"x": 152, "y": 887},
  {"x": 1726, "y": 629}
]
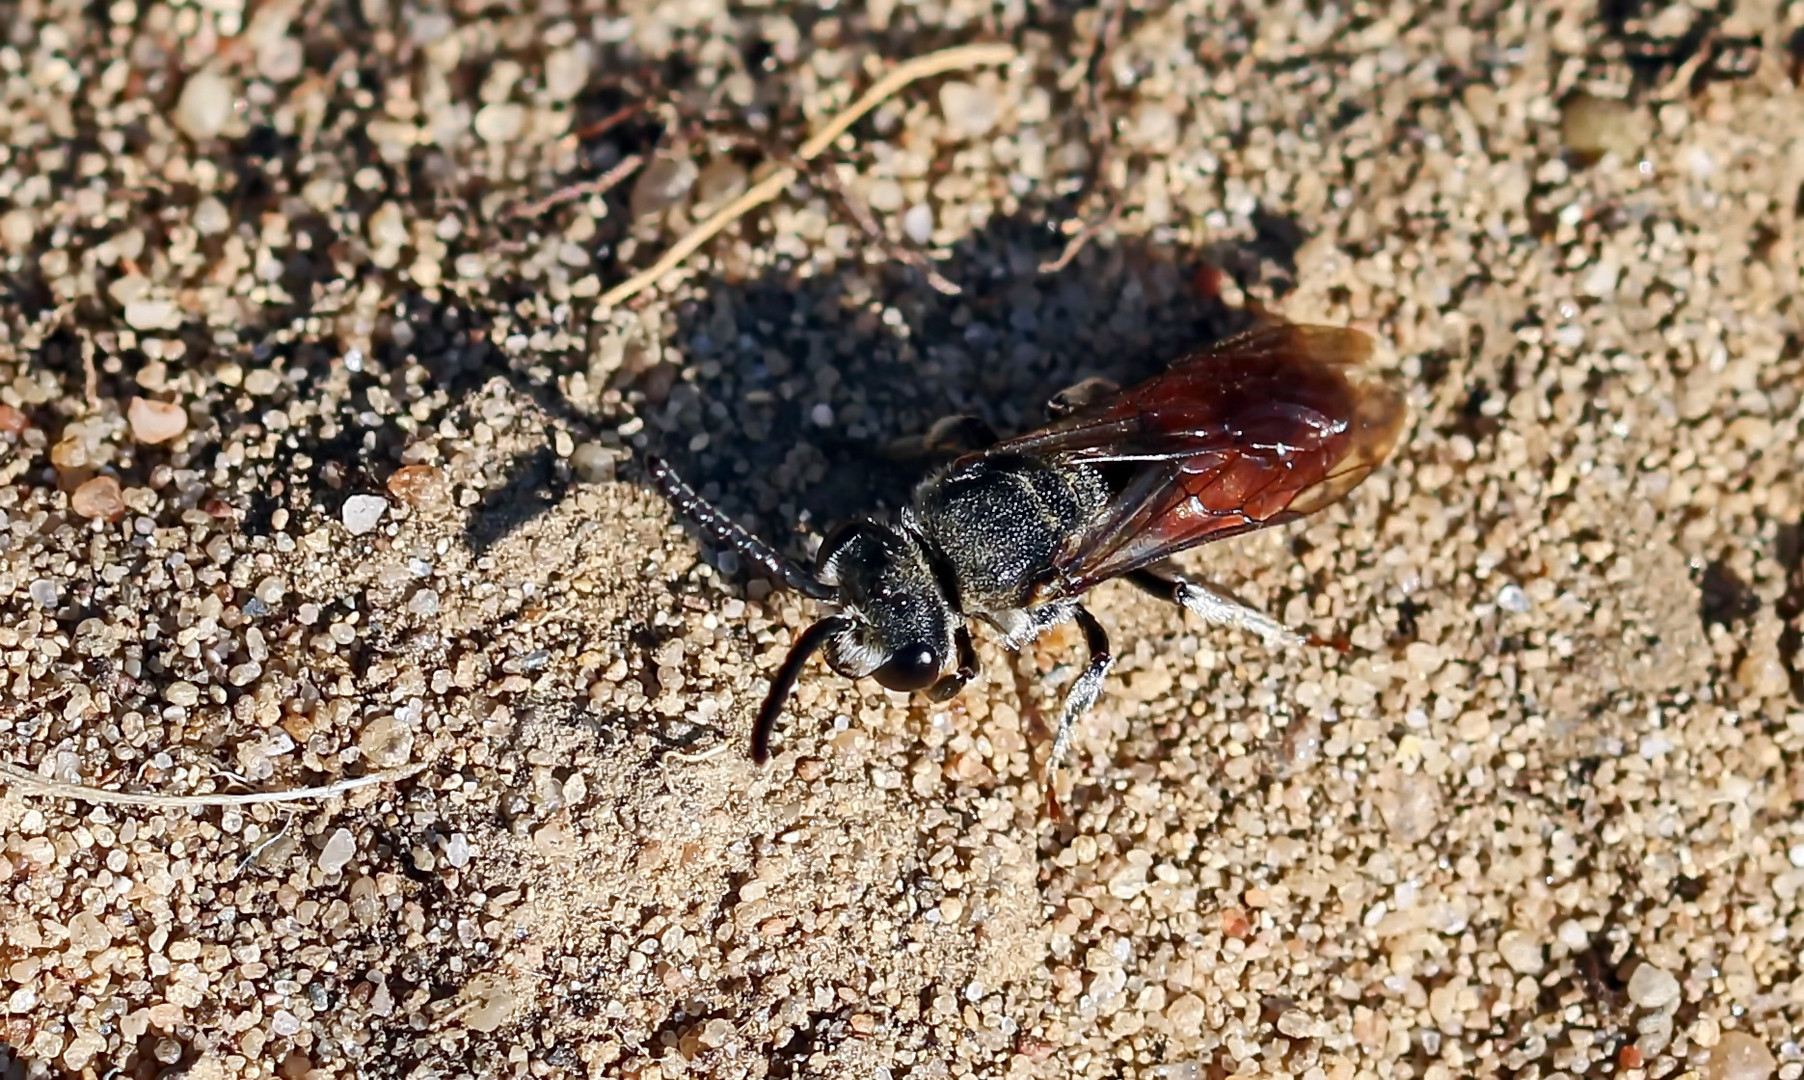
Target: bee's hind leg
[{"x": 1217, "y": 609}]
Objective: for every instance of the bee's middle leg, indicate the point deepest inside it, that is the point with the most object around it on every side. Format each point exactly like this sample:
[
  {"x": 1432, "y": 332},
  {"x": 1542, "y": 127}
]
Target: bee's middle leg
[{"x": 1078, "y": 699}]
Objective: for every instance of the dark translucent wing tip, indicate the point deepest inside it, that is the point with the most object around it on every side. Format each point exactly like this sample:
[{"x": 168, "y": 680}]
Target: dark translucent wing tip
[{"x": 1379, "y": 416}]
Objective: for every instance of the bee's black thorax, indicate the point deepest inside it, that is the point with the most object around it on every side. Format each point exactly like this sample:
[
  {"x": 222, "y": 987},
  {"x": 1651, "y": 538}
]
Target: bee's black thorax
[{"x": 994, "y": 525}]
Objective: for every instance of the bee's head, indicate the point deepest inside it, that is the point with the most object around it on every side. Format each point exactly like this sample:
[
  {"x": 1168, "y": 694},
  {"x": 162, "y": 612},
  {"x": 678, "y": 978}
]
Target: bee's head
[
  {"x": 899, "y": 623},
  {"x": 896, "y": 623}
]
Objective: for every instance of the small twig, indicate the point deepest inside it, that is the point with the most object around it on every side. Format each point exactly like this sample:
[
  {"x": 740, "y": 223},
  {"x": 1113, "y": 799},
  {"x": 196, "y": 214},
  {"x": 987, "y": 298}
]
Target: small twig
[
  {"x": 901, "y": 253},
  {"x": 605, "y": 124},
  {"x": 694, "y": 756},
  {"x": 771, "y": 186},
  {"x": 1082, "y": 237},
  {"x": 1096, "y": 120},
  {"x": 33, "y": 784},
  {"x": 1111, "y": 33},
  {"x": 1096, "y": 46},
  {"x": 599, "y": 185},
  {"x": 858, "y": 211},
  {"x": 255, "y": 853}
]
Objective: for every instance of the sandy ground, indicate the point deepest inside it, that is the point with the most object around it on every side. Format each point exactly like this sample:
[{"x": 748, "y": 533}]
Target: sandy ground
[{"x": 1539, "y": 822}]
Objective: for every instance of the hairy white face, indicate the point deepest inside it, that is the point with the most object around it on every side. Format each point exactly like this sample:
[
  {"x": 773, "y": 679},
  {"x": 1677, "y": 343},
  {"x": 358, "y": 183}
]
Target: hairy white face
[{"x": 852, "y": 653}]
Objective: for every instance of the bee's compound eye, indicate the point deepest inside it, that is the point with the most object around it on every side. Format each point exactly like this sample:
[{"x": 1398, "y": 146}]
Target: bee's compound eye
[{"x": 913, "y": 667}]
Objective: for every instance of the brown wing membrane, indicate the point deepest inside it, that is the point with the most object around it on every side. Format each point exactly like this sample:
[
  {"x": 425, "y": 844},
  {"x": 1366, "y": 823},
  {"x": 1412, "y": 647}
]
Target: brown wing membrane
[{"x": 1259, "y": 429}]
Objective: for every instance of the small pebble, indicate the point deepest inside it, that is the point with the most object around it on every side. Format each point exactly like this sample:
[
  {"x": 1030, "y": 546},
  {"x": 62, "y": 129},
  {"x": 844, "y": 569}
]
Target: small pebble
[
  {"x": 420, "y": 486},
  {"x": 1600, "y": 281},
  {"x": 1653, "y": 988},
  {"x": 884, "y": 196},
  {"x": 211, "y": 217},
  {"x": 970, "y": 111},
  {"x": 494, "y": 1001},
  {"x": 17, "y": 228},
  {"x": 662, "y": 184},
  {"x": 281, "y": 59},
  {"x": 388, "y": 228},
  {"x": 1514, "y": 599},
  {"x": 567, "y": 72},
  {"x": 501, "y": 122},
  {"x": 1762, "y": 673},
  {"x": 45, "y": 592},
  {"x": 1739, "y": 1056},
  {"x": 39, "y": 850},
  {"x": 362, "y": 513},
  {"x": 122, "y": 291},
  {"x": 71, "y": 453},
  {"x": 594, "y": 463},
  {"x": 1593, "y": 127},
  {"x": 1425, "y": 657},
  {"x": 426, "y": 273},
  {"x": 1410, "y": 806},
  {"x": 722, "y": 180},
  {"x": 1154, "y": 125},
  {"x": 1521, "y": 952},
  {"x": 83, "y": 1049},
  {"x": 152, "y": 313},
  {"x": 340, "y": 848},
  {"x": 99, "y": 499},
  {"x": 261, "y": 382},
  {"x": 386, "y": 742},
  {"x": 205, "y": 106},
  {"x": 715, "y": 1033},
  {"x": 155, "y": 421},
  {"x": 917, "y": 223}
]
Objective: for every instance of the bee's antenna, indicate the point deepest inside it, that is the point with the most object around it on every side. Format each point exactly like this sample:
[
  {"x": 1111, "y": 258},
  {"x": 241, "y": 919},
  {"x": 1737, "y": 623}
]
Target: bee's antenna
[
  {"x": 723, "y": 530},
  {"x": 806, "y": 646}
]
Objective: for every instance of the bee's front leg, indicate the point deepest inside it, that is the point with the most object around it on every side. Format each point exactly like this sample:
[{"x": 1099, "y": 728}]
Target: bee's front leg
[
  {"x": 1080, "y": 396},
  {"x": 947, "y": 688},
  {"x": 950, "y": 436}
]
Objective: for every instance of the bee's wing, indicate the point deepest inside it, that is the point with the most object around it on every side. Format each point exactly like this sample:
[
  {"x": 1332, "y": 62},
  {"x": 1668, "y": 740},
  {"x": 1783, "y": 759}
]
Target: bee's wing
[{"x": 1257, "y": 430}]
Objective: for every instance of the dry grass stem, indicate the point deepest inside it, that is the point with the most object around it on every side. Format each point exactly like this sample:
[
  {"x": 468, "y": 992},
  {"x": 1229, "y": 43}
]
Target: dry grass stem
[
  {"x": 921, "y": 67},
  {"x": 32, "y": 784},
  {"x": 600, "y": 185}
]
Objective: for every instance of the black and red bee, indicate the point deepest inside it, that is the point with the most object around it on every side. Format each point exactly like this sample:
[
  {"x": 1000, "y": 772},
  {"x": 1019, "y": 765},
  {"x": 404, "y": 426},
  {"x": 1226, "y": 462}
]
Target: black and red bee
[{"x": 1257, "y": 430}]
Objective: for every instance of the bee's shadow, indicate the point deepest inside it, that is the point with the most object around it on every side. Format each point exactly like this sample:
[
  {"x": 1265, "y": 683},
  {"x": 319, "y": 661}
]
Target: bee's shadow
[{"x": 801, "y": 382}]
